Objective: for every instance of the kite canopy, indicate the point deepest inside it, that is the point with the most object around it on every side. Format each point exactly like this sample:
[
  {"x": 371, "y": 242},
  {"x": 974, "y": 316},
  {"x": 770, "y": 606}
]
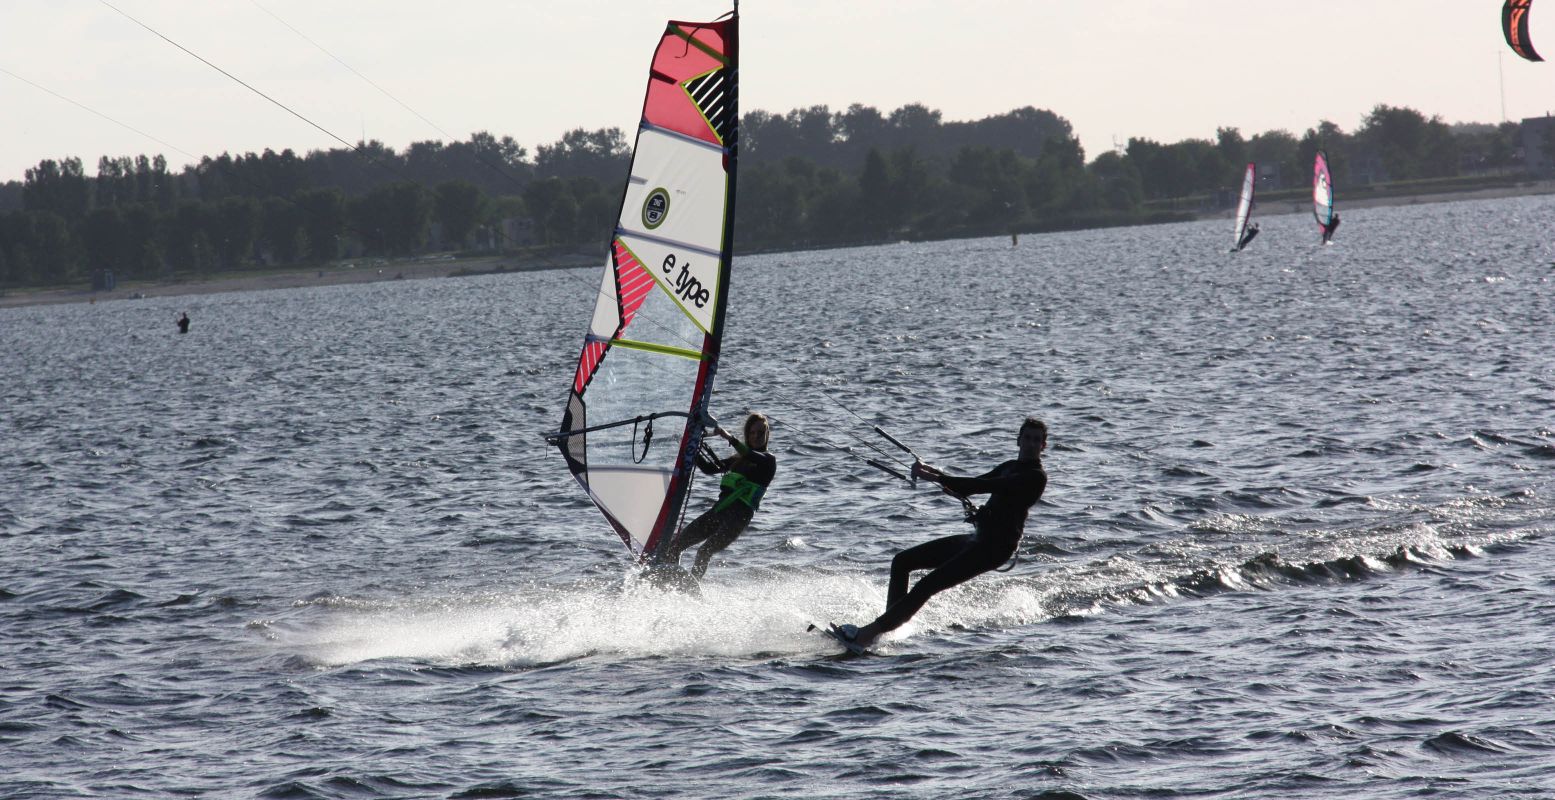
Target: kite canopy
[{"x": 1514, "y": 25}]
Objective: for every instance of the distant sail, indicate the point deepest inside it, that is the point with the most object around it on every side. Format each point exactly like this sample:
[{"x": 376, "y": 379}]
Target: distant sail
[
  {"x": 1244, "y": 206},
  {"x": 633, "y": 421},
  {"x": 1514, "y": 25},
  {"x": 1322, "y": 191}
]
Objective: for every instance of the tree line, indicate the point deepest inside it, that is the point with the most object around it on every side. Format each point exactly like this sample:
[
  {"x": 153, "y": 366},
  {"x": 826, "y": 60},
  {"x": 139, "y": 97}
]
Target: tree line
[{"x": 811, "y": 177}]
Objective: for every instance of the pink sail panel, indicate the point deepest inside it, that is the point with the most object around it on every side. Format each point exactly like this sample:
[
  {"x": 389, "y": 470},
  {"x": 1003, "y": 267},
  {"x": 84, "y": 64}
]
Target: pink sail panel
[{"x": 687, "y": 52}]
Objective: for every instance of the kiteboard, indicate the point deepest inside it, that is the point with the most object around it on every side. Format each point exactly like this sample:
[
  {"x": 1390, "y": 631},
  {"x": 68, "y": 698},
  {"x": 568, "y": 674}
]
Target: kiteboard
[{"x": 832, "y": 632}]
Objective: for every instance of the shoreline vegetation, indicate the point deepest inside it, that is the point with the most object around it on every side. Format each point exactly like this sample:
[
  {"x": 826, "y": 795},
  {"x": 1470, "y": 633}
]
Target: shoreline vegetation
[
  {"x": 809, "y": 179},
  {"x": 447, "y": 265}
]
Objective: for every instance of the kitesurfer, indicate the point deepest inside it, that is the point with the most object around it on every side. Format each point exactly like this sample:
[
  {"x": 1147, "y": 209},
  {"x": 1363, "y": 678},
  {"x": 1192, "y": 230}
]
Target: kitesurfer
[
  {"x": 1328, "y": 230},
  {"x": 1013, "y": 488},
  {"x": 1247, "y": 235},
  {"x": 183, "y": 323},
  {"x": 746, "y": 475}
]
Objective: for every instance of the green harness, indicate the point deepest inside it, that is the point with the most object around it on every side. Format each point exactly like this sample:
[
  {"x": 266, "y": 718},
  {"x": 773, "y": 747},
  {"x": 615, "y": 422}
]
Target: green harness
[{"x": 737, "y": 487}]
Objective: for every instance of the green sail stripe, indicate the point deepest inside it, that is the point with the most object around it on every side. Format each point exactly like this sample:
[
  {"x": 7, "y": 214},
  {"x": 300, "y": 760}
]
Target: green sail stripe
[
  {"x": 678, "y": 31},
  {"x": 662, "y": 349}
]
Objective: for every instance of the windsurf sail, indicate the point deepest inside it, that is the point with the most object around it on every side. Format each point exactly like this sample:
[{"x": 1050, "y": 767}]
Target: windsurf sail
[
  {"x": 1322, "y": 191},
  {"x": 1514, "y": 25},
  {"x": 1244, "y": 206},
  {"x": 636, "y": 404}
]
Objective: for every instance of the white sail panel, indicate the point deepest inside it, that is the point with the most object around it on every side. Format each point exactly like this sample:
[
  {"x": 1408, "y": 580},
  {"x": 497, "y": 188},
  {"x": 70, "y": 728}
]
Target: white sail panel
[
  {"x": 631, "y": 497},
  {"x": 694, "y": 185}
]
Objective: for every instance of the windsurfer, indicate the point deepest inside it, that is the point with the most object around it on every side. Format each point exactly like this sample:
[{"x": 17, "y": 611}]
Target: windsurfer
[
  {"x": 1013, "y": 488},
  {"x": 183, "y": 323},
  {"x": 1328, "y": 230},
  {"x": 746, "y": 476},
  {"x": 1247, "y": 235}
]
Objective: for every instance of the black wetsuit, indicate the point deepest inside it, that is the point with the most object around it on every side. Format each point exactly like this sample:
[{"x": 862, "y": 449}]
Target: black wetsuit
[
  {"x": 745, "y": 481},
  {"x": 1328, "y": 230},
  {"x": 1247, "y": 238},
  {"x": 1014, "y": 487}
]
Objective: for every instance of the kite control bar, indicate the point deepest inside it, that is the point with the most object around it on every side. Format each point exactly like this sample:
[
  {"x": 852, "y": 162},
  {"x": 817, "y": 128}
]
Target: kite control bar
[
  {"x": 968, "y": 506},
  {"x": 886, "y": 468}
]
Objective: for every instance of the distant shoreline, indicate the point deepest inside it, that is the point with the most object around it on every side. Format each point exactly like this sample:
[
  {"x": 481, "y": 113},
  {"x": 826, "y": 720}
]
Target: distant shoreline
[
  {"x": 364, "y": 270},
  {"x": 371, "y": 270},
  {"x": 1302, "y": 205}
]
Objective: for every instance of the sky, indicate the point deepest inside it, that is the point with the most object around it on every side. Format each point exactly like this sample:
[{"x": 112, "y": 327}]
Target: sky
[{"x": 534, "y": 69}]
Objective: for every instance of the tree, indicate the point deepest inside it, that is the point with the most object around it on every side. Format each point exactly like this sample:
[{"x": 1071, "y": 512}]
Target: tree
[
  {"x": 1276, "y": 152},
  {"x": 875, "y": 195},
  {"x": 1410, "y": 145},
  {"x": 1118, "y": 182},
  {"x": 1059, "y": 182},
  {"x": 602, "y": 155},
  {"x": 55, "y": 254},
  {"x": 552, "y": 209},
  {"x": 862, "y": 126},
  {"x": 323, "y": 221},
  {"x": 280, "y": 225},
  {"x": 995, "y": 178},
  {"x": 596, "y": 210},
  {"x": 392, "y": 219},
  {"x": 188, "y": 244},
  {"x": 236, "y": 226},
  {"x": 143, "y": 245},
  {"x": 57, "y": 186},
  {"x": 459, "y": 208},
  {"x": 1233, "y": 150},
  {"x": 771, "y": 207},
  {"x": 105, "y": 237}
]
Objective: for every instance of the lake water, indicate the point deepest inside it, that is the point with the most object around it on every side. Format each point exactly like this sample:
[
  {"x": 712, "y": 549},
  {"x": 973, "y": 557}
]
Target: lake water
[{"x": 1295, "y": 542}]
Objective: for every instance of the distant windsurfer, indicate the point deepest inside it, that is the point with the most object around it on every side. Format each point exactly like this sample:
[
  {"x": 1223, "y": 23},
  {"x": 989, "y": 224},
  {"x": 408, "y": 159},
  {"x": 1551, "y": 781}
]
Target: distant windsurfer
[
  {"x": 1328, "y": 230},
  {"x": 746, "y": 475},
  {"x": 1013, "y": 488},
  {"x": 1247, "y": 235},
  {"x": 183, "y": 323}
]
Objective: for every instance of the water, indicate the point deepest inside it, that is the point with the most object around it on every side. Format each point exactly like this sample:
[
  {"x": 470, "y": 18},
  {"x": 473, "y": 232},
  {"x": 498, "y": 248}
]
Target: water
[{"x": 1294, "y": 544}]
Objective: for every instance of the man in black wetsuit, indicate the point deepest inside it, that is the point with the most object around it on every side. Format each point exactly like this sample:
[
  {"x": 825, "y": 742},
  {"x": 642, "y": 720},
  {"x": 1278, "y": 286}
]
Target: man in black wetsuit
[
  {"x": 1013, "y": 488},
  {"x": 1247, "y": 236},
  {"x": 1328, "y": 230},
  {"x": 746, "y": 476}
]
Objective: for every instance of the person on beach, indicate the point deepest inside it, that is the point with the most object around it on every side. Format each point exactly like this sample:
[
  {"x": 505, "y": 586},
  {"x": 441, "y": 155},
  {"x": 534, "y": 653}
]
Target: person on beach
[
  {"x": 183, "y": 323},
  {"x": 746, "y": 476},
  {"x": 1013, "y": 488}
]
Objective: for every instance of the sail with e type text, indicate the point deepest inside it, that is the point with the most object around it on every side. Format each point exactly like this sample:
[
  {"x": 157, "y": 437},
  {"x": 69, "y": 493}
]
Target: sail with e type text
[{"x": 638, "y": 397}]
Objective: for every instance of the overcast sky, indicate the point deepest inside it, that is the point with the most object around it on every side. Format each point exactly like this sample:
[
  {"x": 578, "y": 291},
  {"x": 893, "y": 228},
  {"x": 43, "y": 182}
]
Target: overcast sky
[{"x": 532, "y": 69}]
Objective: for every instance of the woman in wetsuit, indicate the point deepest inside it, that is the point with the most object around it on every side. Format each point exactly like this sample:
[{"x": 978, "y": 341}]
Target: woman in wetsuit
[
  {"x": 746, "y": 476},
  {"x": 1013, "y": 488}
]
